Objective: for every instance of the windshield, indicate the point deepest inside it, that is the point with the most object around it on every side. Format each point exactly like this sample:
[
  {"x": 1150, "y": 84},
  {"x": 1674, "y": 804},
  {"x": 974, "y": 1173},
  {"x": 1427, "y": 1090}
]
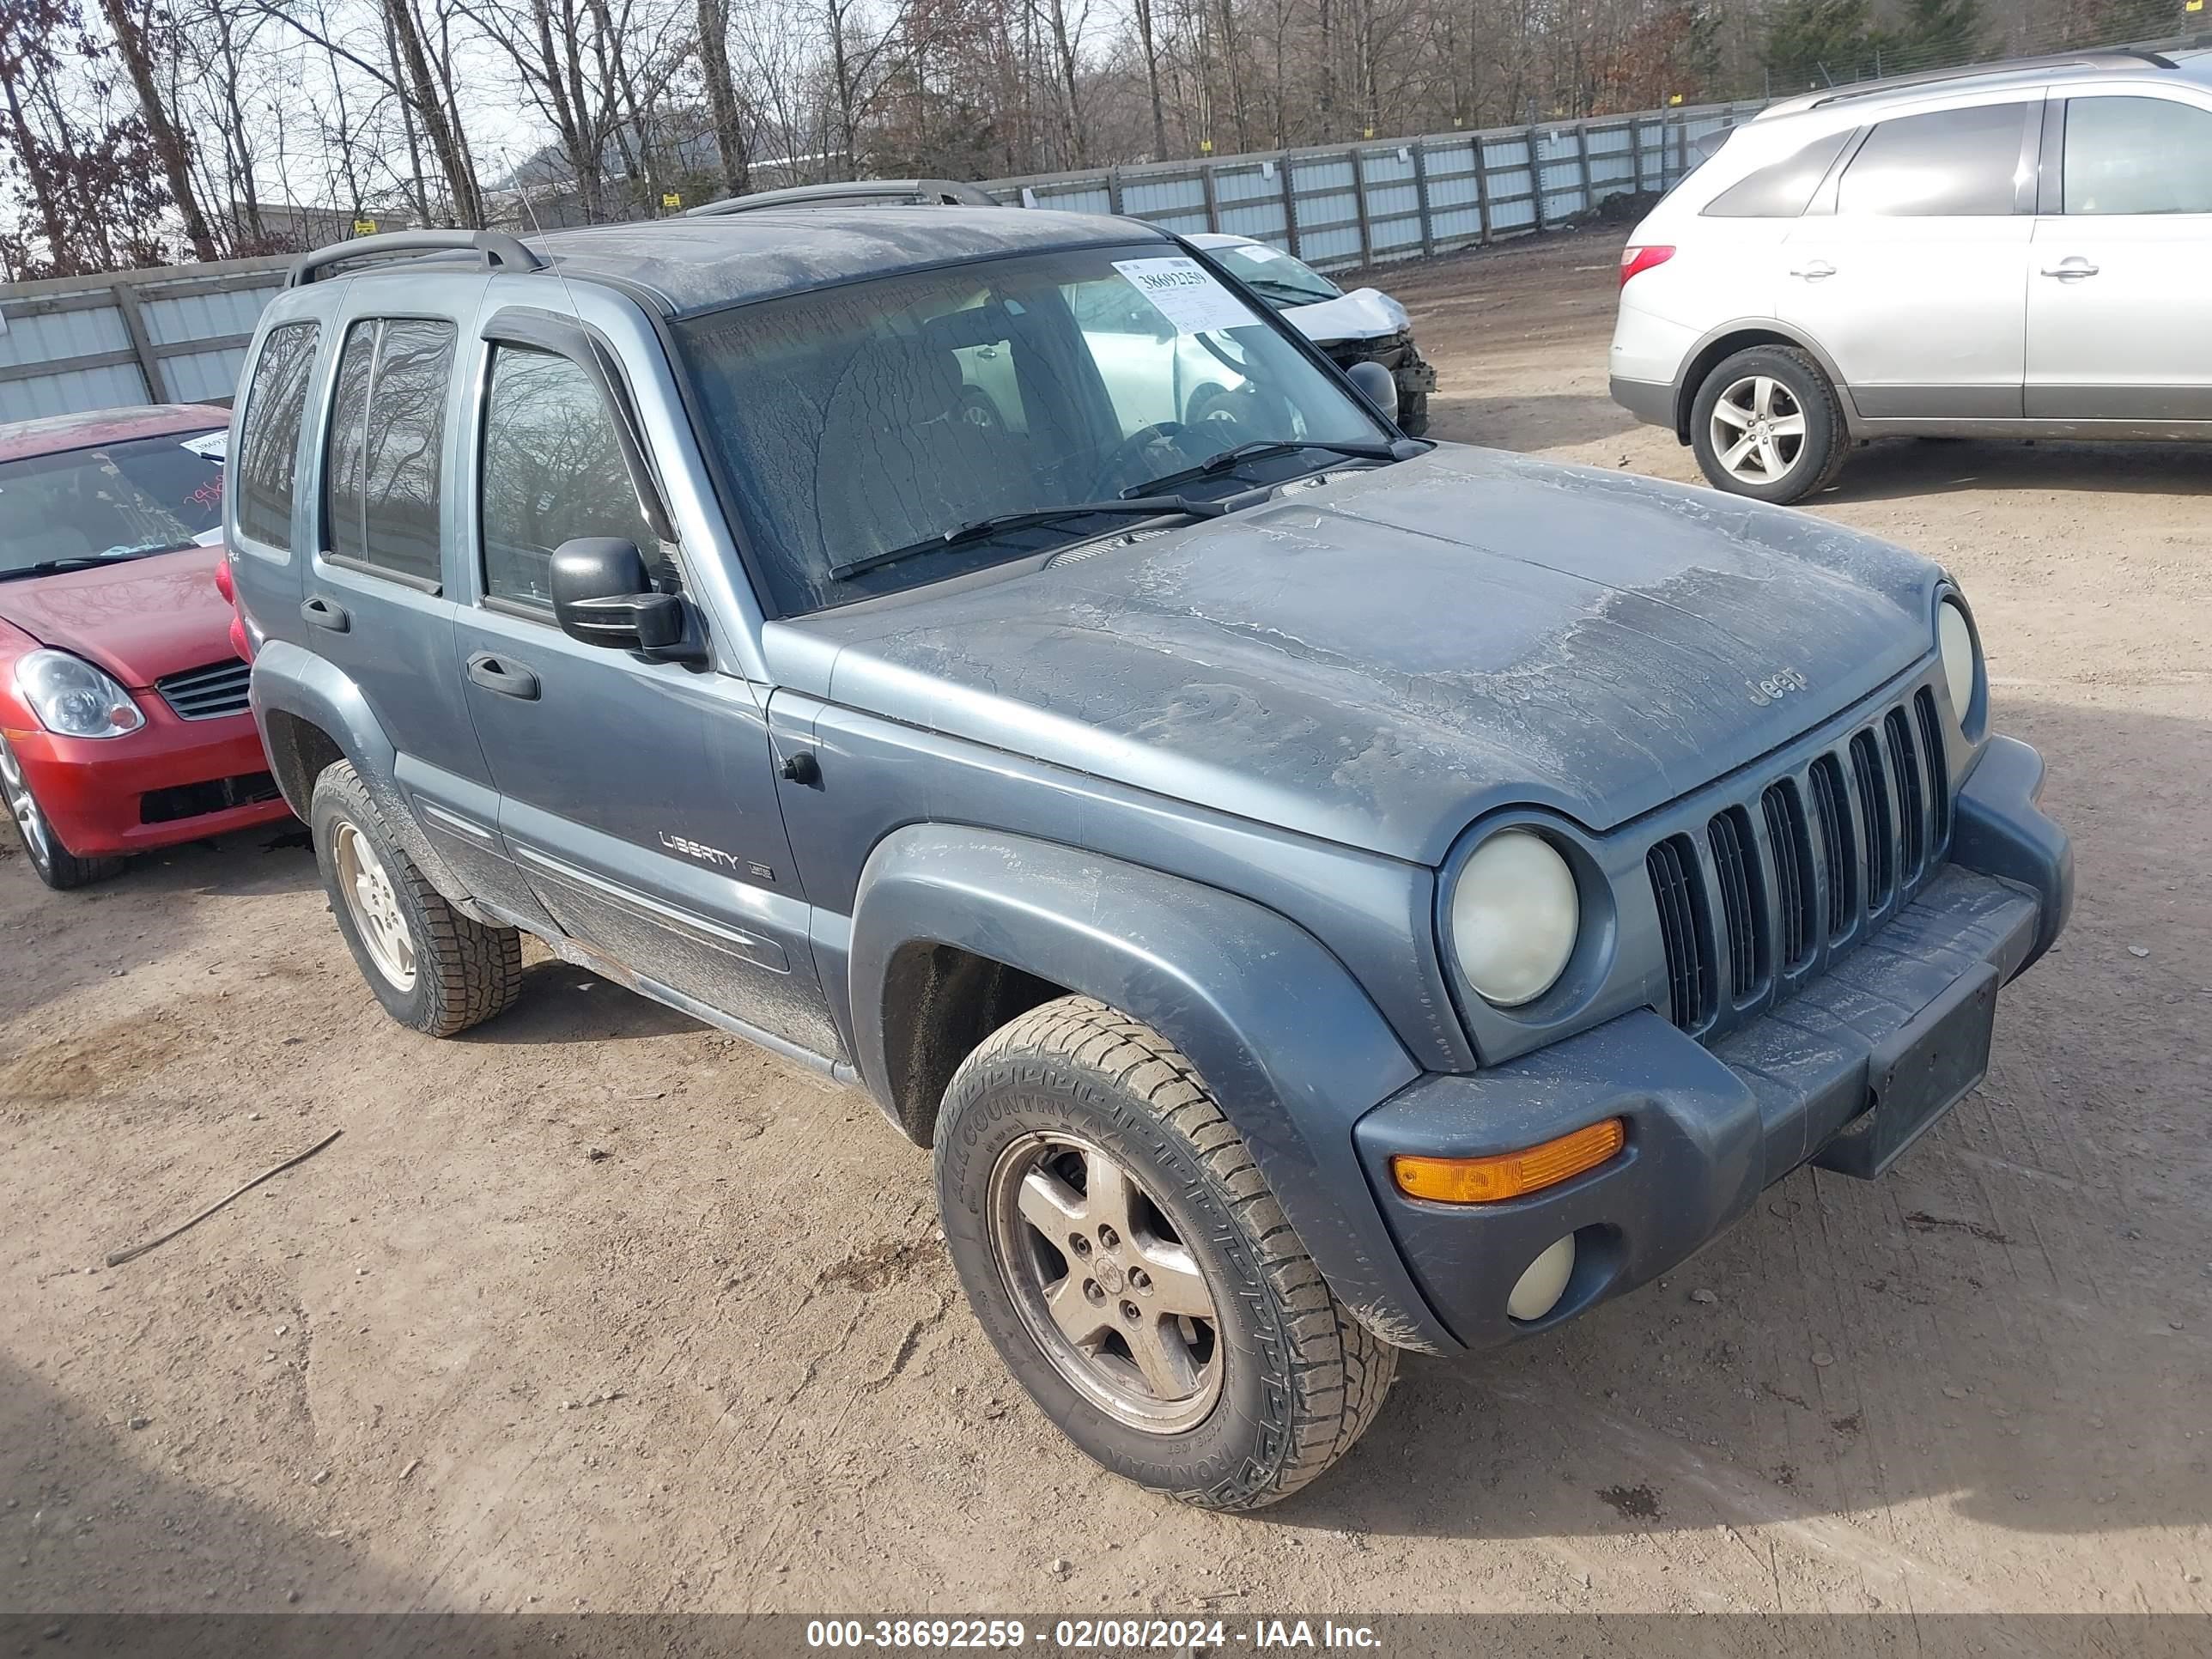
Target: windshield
[
  {"x": 109, "y": 502},
  {"x": 1274, "y": 276},
  {"x": 862, "y": 420}
]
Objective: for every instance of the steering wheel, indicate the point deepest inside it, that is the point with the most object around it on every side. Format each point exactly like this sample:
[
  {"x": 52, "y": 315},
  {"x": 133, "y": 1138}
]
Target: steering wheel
[{"x": 1130, "y": 448}]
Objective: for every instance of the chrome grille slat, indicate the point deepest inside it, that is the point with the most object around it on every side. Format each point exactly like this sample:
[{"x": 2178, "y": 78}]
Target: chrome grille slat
[
  {"x": 1800, "y": 863},
  {"x": 208, "y": 693}
]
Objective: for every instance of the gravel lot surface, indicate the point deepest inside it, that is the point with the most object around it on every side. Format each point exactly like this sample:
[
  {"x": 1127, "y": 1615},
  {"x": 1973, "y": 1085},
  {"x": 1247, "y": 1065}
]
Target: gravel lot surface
[{"x": 597, "y": 1308}]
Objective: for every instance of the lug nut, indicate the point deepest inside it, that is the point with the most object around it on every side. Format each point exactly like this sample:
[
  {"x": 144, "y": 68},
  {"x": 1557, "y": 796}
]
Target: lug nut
[
  {"x": 1139, "y": 1279},
  {"x": 1108, "y": 1238},
  {"x": 1130, "y": 1313},
  {"x": 1079, "y": 1243},
  {"x": 1092, "y": 1292}
]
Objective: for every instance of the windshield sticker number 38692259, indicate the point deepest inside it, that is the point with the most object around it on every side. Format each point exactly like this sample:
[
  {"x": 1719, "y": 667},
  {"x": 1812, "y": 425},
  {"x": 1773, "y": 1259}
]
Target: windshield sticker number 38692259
[{"x": 1186, "y": 294}]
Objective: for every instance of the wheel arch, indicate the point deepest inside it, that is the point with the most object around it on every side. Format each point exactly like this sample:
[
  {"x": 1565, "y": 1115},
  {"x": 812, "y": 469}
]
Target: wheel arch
[
  {"x": 1287, "y": 1041},
  {"x": 1730, "y": 339},
  {"x": 311, "y": 715}
]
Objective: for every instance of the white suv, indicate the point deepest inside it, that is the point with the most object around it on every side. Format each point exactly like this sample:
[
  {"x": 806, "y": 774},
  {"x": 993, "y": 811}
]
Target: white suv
[{"x": 2017, "y": 251}]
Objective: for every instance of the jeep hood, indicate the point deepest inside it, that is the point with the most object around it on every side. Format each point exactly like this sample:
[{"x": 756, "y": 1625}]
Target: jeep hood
[
  {"x": 139, "y": 619},
  {"x": 1380, "y": 658}
]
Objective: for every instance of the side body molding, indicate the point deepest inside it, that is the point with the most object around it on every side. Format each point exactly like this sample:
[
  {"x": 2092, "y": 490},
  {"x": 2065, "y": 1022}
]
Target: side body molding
[{"x": 1287, "y": 1039}]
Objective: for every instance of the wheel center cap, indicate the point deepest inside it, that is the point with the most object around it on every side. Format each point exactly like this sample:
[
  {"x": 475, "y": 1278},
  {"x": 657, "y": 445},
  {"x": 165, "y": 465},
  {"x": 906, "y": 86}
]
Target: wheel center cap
[{"x": 1109, "y": 1273}]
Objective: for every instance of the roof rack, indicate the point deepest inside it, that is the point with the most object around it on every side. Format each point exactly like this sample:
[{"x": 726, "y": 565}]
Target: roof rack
[
  {"x": 2118, "y": 57},
  {"x": 498, "y": 249},
  {"x": 933, "y": 191}
]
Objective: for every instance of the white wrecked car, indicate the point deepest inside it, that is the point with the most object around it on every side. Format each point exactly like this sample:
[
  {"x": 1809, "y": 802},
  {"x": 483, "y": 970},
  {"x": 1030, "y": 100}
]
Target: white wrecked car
[{"x": 1366, "y": 325}]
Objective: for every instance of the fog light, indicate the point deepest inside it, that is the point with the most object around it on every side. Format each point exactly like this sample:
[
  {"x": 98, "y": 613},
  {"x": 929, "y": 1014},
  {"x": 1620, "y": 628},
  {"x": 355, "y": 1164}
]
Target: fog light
[{"x": 1545, "y": 1282}]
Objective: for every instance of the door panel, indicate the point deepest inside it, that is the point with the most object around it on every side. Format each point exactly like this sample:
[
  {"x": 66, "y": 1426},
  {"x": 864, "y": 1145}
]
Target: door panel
[
  {"x": 1910, "y": 271},
  {"x": 1922, "y": 317},
  {"x": 2119, "y": 314},
  {"x": 637, "y": 801}
]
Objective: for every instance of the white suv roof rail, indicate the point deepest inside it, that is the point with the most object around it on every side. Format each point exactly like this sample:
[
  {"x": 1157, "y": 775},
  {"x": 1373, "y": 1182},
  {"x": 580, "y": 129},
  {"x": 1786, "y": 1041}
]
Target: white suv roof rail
[{"x": 2116, "y": 58}]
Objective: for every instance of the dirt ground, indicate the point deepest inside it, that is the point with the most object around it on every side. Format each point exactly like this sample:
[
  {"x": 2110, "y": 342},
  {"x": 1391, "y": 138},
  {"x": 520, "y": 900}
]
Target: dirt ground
[{"x": 597, "y": 1308}]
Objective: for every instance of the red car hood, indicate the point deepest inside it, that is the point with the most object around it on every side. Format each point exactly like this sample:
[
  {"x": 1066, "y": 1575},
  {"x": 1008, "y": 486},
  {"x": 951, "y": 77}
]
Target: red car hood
[{"x": 139, "y": 619}]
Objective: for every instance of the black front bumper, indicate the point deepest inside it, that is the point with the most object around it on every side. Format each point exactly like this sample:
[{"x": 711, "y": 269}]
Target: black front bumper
[{"x": 1709, "y": 1127}]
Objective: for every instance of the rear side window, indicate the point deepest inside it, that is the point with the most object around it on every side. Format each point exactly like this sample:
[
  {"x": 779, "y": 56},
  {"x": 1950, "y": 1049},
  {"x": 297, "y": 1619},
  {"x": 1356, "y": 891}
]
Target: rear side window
[
  {"x": 386, "y": 446},
  {"x": 1952, "y": 161},
  {"x": 2138, "y": 155},
  {"x": 552, "y": 470},
  {"x": 1781, "y": 189},
  {"x": 268, "y": 438}
]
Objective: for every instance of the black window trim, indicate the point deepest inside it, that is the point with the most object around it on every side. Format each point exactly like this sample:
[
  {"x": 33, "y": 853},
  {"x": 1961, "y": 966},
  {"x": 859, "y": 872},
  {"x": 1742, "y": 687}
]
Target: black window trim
[
  {"x": 435, "y": 587},
  {"x": 299, "y": 438},
  {"x": 2025, "y": 169}
]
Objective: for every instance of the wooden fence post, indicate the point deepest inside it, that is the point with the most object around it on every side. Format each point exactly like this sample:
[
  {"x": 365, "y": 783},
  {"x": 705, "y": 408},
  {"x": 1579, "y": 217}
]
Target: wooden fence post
[
  {"x": 1359, "y": 196},
  {"x": 1421, "y": 198}
]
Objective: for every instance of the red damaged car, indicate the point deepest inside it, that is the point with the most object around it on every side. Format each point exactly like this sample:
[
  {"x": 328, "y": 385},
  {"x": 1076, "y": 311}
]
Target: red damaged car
[{"x": 124, "y": 723}]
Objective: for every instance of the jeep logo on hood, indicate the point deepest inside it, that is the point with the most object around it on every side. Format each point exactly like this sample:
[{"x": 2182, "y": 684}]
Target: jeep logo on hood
[{"x": 1775, "y": 687}]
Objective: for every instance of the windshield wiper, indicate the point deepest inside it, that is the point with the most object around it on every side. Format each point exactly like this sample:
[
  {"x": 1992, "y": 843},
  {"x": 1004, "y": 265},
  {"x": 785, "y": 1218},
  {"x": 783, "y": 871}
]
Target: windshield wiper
[
  {"x": 1259, "y": 448},
  {"x": 49, "y": 567},
  {"x": 1142, "y": 506}
]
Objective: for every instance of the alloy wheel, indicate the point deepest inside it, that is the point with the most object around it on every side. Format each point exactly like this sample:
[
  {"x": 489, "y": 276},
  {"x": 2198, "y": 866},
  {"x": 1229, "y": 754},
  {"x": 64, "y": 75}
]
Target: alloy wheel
[
  {"x": 23, "y": 807},
  {"x": 1758, "y": 430},
  {"x": 1105, "y": 1283},
  {"x": 374, "y": 907}
]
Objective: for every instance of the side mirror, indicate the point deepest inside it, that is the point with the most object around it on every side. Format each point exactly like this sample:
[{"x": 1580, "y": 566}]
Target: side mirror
[
  {"x": 1378, "y": 385},
  {"x": 602, "y": 595}
]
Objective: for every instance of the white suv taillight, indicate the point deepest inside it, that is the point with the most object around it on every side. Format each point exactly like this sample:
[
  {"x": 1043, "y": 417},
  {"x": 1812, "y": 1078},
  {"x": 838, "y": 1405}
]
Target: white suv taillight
[{"x": 1634, "y": 259}]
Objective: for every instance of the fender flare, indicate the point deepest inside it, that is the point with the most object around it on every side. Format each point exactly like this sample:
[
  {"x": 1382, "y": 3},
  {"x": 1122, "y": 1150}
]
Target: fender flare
[
  {"x": 1288, "y": 1042},
  {"x": 290, "y": 681}
]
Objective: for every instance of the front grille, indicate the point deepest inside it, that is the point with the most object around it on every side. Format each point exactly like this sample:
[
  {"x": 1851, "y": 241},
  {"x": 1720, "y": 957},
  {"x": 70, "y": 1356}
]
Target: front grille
[
  {"x": 1793, "y": 878},
  {"x": 1688, "y": 929},
  {"x": 1803, "y": 861},
  {"x": 1734, "y": 860},
  {"x": 206, "y": 694},
  {"x": 197, "y": 801}
]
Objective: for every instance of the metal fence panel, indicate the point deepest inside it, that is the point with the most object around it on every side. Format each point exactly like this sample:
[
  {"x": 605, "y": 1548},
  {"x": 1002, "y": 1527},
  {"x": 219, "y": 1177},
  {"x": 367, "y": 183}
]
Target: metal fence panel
[{"x": 181, "y": 335}]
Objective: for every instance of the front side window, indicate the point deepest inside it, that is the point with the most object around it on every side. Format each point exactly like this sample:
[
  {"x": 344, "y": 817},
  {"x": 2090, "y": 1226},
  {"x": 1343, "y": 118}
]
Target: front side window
[
  {"x": 552, "y": 470},
  {"x": 1781, "y": 189},
  {"x": 110, "y": 501},
  {"x": 873, "y": 418},
  {"x": 2138, "y": 155},
  {"x": 385, "y": 448},
  {"x": 1962, "y": 162},
  {"x": 269, "y": 435}
]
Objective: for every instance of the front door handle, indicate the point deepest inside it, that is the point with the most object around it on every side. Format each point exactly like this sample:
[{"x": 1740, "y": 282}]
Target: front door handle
[
  {"x": 2071, "y": 270},
  {"x": 1817, "y": 270},
  {"x": 325, "y": 613},
  {"x": 503, "y": 675}
]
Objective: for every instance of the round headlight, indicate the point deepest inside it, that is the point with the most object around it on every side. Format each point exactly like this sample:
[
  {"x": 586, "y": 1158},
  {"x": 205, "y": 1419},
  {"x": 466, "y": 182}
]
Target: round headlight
[
  {"x": 1515, "y": 917},
  {"x": 1956, "y": 637},
  {"x": 73, "y": 699}
]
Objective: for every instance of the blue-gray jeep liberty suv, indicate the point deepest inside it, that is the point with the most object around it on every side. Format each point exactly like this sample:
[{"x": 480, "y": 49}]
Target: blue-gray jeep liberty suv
[{"x": 1317, "y": 892}]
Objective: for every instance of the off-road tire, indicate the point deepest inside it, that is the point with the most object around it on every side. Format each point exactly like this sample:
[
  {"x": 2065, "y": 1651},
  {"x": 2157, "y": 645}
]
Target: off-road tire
[
  {"x": 55, "y": 864},
  {"x": 465, "y": 972},
  {"x": 1302, "y": 1377},
  {"x": 1828, "y": 434}
]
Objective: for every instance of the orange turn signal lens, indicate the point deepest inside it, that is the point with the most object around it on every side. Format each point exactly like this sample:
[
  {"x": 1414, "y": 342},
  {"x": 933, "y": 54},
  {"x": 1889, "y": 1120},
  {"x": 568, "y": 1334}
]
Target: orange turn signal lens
[{"x": 1509, "y": 1174}]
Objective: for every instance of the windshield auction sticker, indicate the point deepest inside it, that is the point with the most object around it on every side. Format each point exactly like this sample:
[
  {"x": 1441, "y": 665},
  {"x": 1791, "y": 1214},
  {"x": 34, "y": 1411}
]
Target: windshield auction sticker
[{"x": 1185, "y": 294}]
